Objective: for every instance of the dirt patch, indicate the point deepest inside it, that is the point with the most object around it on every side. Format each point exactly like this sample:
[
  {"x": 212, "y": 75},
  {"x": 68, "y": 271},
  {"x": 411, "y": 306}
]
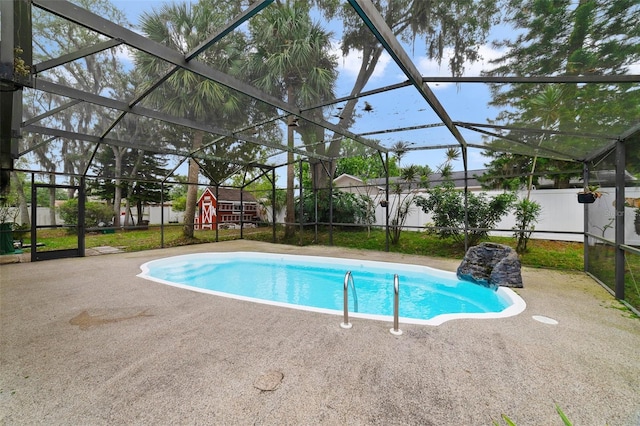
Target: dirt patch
[{"x": 84, "y": 320}]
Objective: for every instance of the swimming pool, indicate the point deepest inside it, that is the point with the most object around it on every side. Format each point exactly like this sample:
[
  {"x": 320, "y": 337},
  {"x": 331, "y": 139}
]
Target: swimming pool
[{"x": 427, "y": 295}]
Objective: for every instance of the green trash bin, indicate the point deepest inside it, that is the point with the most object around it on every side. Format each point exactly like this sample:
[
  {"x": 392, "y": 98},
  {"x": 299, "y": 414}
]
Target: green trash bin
[{"x": 6, "y": 238}]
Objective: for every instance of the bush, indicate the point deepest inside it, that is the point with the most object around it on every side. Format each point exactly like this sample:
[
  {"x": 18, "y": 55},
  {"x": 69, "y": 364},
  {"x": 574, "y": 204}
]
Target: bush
[
  {"x": 347, "y": 208},
  {"x": 447, "y": 205},
  {"x": 527, "y": 213},
  {"x": 94, "y": 213}
]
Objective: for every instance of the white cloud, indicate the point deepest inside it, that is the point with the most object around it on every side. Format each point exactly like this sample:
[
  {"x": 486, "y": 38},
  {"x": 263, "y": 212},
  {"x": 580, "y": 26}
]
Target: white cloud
[
  {"x": 431, "y": 68},
  {"x": 634, "y": 69},
  {"x": 349, "y": 65}
]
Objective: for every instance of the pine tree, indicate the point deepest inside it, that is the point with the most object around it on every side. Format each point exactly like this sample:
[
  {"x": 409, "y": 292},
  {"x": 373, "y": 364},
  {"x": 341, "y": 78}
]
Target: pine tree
[{"x": 558, "y": 37}]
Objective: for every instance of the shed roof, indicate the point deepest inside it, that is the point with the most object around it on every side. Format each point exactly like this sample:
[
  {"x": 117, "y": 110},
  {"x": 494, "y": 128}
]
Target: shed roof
[{"x": 230, "y": 194}]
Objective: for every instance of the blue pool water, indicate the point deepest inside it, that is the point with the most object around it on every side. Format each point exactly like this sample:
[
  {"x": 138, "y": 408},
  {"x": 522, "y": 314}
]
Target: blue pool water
[{"x": 427, "y": 295}]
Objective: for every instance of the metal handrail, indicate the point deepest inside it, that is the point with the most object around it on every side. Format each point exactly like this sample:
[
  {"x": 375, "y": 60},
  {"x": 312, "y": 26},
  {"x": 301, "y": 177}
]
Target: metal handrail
[
  {"x": 396, "y": 305},
  {"x": 348, "y": 278},
  {"x": 353, "y": 293}
]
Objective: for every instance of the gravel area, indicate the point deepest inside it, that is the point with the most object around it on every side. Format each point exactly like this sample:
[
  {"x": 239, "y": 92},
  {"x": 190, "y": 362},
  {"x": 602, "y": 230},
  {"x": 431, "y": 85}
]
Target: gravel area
[{"x": 85, "y": 341}]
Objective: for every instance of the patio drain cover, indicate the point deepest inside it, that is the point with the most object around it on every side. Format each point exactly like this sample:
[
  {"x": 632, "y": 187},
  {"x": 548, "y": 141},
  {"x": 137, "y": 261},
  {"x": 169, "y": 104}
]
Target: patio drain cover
[
  {"x": 269, "y": 381},
  {"x": 545, "y": 320}
]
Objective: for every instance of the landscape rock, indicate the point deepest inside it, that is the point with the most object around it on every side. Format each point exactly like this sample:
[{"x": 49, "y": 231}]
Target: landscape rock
[{"x": 491, "y": 265}]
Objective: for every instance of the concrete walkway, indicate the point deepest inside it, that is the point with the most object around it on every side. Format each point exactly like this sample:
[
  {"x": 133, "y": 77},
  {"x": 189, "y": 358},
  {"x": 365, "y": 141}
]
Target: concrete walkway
[{"x": 85, "y": 341}]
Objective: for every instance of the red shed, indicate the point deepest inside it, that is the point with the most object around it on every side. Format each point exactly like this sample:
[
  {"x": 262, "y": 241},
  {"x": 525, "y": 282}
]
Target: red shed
[{"x": 227, "y": 208}]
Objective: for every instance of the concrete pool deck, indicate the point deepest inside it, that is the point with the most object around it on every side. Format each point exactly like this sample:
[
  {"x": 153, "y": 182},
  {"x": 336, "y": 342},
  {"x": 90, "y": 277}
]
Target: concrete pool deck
[{"x": 85, "y": 341}]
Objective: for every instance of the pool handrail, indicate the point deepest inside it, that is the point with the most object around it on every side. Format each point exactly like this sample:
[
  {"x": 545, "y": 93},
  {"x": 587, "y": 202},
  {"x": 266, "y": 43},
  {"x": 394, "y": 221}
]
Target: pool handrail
[
  {"x": 348, "y": 278},
  {"x": 396, "y": 306}
]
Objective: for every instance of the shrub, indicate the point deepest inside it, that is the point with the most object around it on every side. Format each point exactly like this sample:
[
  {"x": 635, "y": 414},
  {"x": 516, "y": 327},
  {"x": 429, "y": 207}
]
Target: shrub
[
  {"x": 448, "y": 208},
  {"x": 347, "y": 208},
  {"x": 94, "y": 213},
  {"x": 411, "y": 178},
  {"x": 527, "y": 213}
]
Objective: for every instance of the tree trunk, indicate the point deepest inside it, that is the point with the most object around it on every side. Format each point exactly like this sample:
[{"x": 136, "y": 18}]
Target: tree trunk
[
  {"x": 22, "y": 200},
  {"x": 117, "y": 193},
  {"x": 370, "y": 57},
  {"x": 52, "y": 200},
  {"x": 562, "y": 182},
  {"x": 192, "y": 188},
  {"x": 533, "y": 170},
  {"x": 139, "y": 211},
  {"x": 131, "y": 188},
  {"x": 127, "y": 212}
]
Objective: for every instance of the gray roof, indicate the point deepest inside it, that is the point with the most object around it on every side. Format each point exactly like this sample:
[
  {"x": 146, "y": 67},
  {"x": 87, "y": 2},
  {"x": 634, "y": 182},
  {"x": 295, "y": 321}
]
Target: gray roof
[
  {"x": 232, "y": 194},
  {"x": 436, "y": 179}
]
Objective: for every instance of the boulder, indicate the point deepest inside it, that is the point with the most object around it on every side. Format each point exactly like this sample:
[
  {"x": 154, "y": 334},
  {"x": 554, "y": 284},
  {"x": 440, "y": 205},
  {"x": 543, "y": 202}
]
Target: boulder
[{"x": 491, "y": 265}]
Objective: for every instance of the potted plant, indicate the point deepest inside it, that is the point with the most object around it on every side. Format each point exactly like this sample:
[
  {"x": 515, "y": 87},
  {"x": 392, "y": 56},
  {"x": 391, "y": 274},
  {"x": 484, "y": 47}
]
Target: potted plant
[
  {"x": 589, "y": 194},
  {"x": 7, "y": 218}
]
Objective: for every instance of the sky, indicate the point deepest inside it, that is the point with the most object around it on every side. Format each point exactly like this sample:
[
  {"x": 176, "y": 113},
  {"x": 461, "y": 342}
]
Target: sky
[{"x": 401, "y": 108}]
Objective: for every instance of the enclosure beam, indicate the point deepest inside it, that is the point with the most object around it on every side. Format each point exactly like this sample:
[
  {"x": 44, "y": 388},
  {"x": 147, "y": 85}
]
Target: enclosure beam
[
  {"x": 556, "y": 154},
  {"x": 34, "y": 216},
  {"x": 385, "y": 166},
  {"x": 514, "y": 150},
  {"x": 83, "y": 17},
  {"x": 52, "y": 112},
  {"x": 273, "y": 205},
  {"x": 402, "y": 129},
  {"x": 466, "y": 198},
  {"x": 358, "y": 95},
  {"x": 161, "y": 214},
  {"x": 82, "y": 197},
  {"x": 11, "y": 18},
  {"x": 619, "y": 204},
  {"x": 376, "y": 23},
  {"x": 585, "y": 218},
  {"x": 301, "y": 208},
  {"x": 137, "y": 110},
  {"x": 96, "y": 139},
  {"x": 471, "y": 126},
  {"x": 115, "y": 142},
  {"x": 251, "y": 11},
  {"x": 330, "y": 209},
  {"x": 58, "y": 89},
  {"x": 218, "y": 212},
  {"x": 618, "y": 78},
  {"x": 70, "y": 57}
]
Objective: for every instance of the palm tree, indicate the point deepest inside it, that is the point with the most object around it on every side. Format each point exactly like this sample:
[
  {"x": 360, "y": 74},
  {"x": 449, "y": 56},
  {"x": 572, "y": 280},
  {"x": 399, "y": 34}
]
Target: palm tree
[
  {"x": 183, "y": 27},
  {"x": 546, "y": 108},
  {"x": 400, "y": 148},
  {"x": 291, "y": 60}
]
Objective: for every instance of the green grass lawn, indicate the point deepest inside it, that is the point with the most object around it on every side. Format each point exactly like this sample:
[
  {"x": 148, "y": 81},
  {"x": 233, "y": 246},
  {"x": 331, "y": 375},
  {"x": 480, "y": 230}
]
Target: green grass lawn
[
  {"x": 541, "y": 254},
  {"x": 131, "y": 240}
]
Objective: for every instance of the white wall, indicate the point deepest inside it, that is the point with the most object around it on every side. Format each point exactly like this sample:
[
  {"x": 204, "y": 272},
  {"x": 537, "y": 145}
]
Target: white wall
[
  {"x": 42, "y": 216},
  {"x": 561, "y": 213}
]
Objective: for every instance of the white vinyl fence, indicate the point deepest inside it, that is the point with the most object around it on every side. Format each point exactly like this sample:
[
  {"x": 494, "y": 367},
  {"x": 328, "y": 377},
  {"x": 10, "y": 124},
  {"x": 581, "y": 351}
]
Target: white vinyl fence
[{"x": 560, "y": 216}]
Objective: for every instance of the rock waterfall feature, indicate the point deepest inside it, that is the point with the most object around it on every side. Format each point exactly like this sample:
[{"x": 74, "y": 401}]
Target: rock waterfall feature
[{"x": 491, "y": 265}]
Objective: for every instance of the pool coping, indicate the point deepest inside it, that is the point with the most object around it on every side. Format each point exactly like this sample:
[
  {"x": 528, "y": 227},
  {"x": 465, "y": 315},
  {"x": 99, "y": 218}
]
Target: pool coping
[{"x": 517, "y": 305}]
